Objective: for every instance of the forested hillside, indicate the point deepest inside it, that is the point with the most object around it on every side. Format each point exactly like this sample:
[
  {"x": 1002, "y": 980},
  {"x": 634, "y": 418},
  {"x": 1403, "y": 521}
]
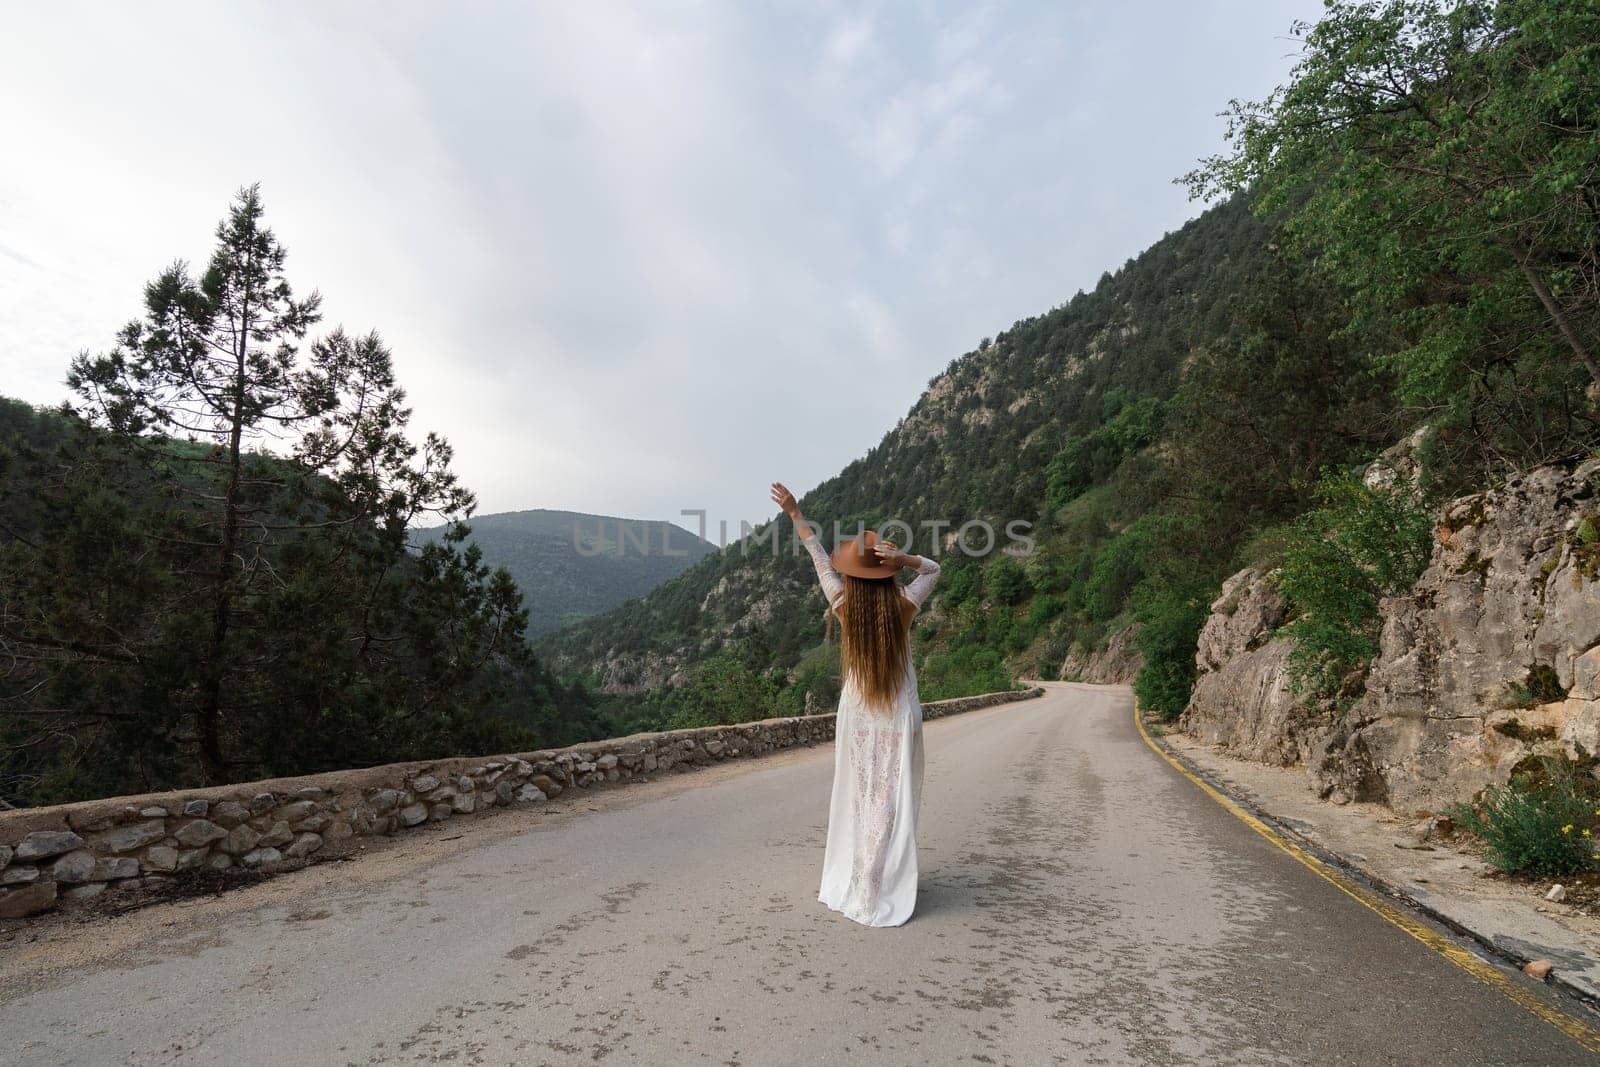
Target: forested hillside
[
  {"x": 570, "y": 566},
  {"x": 1023, "y": 427},
  {"x": 204, "y": 574},
  {"x": 1405, "y": 249}
]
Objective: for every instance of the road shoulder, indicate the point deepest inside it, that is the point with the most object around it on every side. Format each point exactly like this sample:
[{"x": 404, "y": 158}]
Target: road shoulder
[{"x": 1382, "y": 847}]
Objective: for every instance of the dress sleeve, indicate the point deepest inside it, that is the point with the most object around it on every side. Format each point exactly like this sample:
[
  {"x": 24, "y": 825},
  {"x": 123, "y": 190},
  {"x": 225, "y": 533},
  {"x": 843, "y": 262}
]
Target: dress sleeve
[
  {"x": 920, "y": 586},
  {"x": 832, "y": 584}
]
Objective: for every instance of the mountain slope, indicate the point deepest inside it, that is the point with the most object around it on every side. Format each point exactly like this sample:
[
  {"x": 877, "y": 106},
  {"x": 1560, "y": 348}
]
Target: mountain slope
[
  {"x": 570, "y": 566},
  {"x": 985, "y": 441}
]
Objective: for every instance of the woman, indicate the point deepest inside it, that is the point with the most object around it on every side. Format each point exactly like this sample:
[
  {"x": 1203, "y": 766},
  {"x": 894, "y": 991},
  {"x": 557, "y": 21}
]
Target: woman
[{"x": 869, "y": 870}]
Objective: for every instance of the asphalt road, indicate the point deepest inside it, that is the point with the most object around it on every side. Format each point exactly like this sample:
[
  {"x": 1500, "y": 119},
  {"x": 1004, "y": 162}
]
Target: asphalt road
[{"x": 1081, "y": 903}]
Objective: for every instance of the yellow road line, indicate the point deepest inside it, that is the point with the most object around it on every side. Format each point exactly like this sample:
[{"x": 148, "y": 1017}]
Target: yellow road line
[{"x": 1484, "y": 972}]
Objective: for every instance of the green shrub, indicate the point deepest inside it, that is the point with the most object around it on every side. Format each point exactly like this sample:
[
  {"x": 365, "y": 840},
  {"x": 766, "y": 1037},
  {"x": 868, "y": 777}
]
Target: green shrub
[
  {"x": 1169, "y": 619},
  {"x": 961, "y": 671},
  {"x": 1117, "y": 570},
  {"x": 722, "y": 690},
  {"x": 1539, "y": 823},
  {"x": 1339, "y": 560},
  {"x": 1005, "y": 581}
]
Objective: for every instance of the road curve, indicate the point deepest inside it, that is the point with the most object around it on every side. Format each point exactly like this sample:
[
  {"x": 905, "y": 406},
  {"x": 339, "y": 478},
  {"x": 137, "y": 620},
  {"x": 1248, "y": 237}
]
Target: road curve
[{"x": 1081, "y": 903}]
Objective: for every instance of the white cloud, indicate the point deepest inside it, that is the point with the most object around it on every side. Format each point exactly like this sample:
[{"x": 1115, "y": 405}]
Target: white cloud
[{"x": 625, "y": 254}]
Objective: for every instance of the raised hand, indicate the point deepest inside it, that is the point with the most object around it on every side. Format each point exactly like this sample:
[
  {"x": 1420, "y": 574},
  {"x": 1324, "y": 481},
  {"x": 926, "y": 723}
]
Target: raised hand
[
  {"x": 888, "y": 554},
  {"x": 786, "y": 501}
]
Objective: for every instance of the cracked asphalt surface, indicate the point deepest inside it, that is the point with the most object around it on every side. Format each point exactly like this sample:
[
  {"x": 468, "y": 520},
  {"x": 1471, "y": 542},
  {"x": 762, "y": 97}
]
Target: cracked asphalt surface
[{"x": 1080, "y": 903}]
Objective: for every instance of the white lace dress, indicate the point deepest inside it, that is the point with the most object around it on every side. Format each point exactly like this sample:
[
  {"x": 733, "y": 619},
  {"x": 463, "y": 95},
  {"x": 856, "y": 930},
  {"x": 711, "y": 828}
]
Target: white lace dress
[{"x": 869, "y": 869}]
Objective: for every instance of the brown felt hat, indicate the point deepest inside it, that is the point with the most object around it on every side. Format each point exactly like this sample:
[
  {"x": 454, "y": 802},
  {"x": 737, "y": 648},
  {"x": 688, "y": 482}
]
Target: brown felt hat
[{"x": 856, "y": 558}]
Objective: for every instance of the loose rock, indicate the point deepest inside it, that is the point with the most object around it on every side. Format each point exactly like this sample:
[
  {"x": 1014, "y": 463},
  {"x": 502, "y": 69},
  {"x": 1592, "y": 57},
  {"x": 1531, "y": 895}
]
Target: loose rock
[
  {"x": 230, "y": 813},
  {"x": 136, "y": 835},
  {"x": 28, "y": 900},
  {"x": 161, "y": 859},
  {"x": 1537, "y": 968},
  {"x": 42, "y": 844},
  {"x": 200, "y": 832},
  {"x": 262, "y": 857},
  {"x": 240, "y": 839},
  {"x": 111, "y": 869},
  {"x": 303, "y": 846},
  {"x": 19, "y": 875},
  {"x": 74, "y": 867}
]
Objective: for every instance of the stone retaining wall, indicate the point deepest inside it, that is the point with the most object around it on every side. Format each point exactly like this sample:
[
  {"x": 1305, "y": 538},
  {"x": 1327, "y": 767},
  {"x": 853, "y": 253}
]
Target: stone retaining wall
[{"x": 123, "y": 844}]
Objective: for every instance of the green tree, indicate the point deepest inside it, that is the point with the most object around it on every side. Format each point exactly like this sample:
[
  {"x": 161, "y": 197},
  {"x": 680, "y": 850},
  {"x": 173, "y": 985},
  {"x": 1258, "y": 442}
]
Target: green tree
[
  {"x": 1443, "y": 161},
  {"x": 1341, "y": 559},
  {"x": 208, "y": 578}
]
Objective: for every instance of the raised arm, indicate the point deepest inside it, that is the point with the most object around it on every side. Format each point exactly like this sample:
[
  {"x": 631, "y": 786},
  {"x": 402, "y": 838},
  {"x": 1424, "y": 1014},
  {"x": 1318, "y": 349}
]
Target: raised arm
[
  {"x": 927, "y": 571},
  {"x": 827, "y": 577}
]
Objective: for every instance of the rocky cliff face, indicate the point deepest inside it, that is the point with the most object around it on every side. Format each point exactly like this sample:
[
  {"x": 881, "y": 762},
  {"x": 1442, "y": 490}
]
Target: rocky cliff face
[
  {"x": 1242, "y": 698},
  {"x": 1115, "y": 664},
  {"x": 1492, "y": 657}
]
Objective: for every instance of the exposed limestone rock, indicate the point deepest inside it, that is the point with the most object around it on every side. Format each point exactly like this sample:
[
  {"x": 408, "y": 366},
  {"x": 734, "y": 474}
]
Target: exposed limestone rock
[
  {"x": 1115, "y": 664},
  {"x": 1509, "y": 606},
  {"x": 1492, "y": 657},
  {"x": 1242, "y": 698},
  {"x": 1398, "y": 466},
  {"x": 1242, "y": 618}
]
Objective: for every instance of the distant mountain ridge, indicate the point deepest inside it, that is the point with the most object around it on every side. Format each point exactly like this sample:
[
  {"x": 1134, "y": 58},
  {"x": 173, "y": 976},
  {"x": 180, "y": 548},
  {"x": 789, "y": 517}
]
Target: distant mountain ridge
[{"x": 571, "y": 565}]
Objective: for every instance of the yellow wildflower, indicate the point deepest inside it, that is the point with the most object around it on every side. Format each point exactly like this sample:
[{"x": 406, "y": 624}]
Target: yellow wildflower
[{"x": 1567, "y": 829}]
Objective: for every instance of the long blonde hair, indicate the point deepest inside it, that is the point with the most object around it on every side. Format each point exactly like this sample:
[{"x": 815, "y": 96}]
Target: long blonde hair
[{"x": 874, "y": 643}]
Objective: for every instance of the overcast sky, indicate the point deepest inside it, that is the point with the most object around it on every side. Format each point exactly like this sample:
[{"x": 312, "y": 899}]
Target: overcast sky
[{"x": 633, "y": 258}]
